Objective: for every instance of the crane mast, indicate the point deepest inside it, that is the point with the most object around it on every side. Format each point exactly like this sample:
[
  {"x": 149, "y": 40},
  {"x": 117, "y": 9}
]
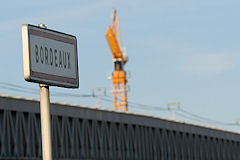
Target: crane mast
[{"x": 119, "y": 79}]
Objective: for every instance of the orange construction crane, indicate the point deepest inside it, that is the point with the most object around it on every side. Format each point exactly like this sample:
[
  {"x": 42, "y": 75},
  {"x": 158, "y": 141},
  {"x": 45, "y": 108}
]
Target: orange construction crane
[{"x": 119, "y": 78}]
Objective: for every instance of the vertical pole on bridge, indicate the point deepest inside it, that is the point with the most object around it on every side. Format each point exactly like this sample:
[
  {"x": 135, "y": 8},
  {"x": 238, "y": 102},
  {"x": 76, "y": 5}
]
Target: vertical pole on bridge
[
  {"x": 45, "y": 119},
  {"x": 173, "y": 107}
]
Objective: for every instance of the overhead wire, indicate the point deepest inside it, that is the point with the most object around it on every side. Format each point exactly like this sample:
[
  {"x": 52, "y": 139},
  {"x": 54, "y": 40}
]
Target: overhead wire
[
  {"x": 14, "y": 89},
  {"x": 138, "y": 106},
  {"x": 106, "y": 98},
  {"x": 198, "y": 118},
  {"x": 180, "y": 112},
  {"x": 18, "y": 88},
  {"x": 159, "y": 108},
  {"x": 193, "y": 115},
  {"x": 189, "y": 117}
]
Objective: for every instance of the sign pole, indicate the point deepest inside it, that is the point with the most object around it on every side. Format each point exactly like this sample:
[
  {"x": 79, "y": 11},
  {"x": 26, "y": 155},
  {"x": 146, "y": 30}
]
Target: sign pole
[
  {"x": 45, "y": 122},
  {"x": 45, "y": 119},
  {"x": 49, "y": 58}
]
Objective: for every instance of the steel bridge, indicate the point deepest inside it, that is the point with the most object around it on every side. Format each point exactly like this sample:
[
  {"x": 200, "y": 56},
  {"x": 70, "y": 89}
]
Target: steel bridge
[{"x": 85, "y": 133}]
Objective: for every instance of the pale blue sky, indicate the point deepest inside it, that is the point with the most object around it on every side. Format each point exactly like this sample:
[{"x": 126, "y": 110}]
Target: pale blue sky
[{"x": 179, "y": 51}]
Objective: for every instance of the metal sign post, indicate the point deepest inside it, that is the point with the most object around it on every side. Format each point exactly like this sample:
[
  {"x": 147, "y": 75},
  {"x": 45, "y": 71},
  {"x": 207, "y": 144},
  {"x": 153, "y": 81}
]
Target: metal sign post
[
  {"x": 45, "y": 122},
  {"x": 45, "y": 119},
  {"x": 50, "y": 59}
]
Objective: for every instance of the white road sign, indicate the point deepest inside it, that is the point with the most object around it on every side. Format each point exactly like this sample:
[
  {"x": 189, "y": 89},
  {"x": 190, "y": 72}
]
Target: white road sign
[{"x": 49, "y": 57}]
